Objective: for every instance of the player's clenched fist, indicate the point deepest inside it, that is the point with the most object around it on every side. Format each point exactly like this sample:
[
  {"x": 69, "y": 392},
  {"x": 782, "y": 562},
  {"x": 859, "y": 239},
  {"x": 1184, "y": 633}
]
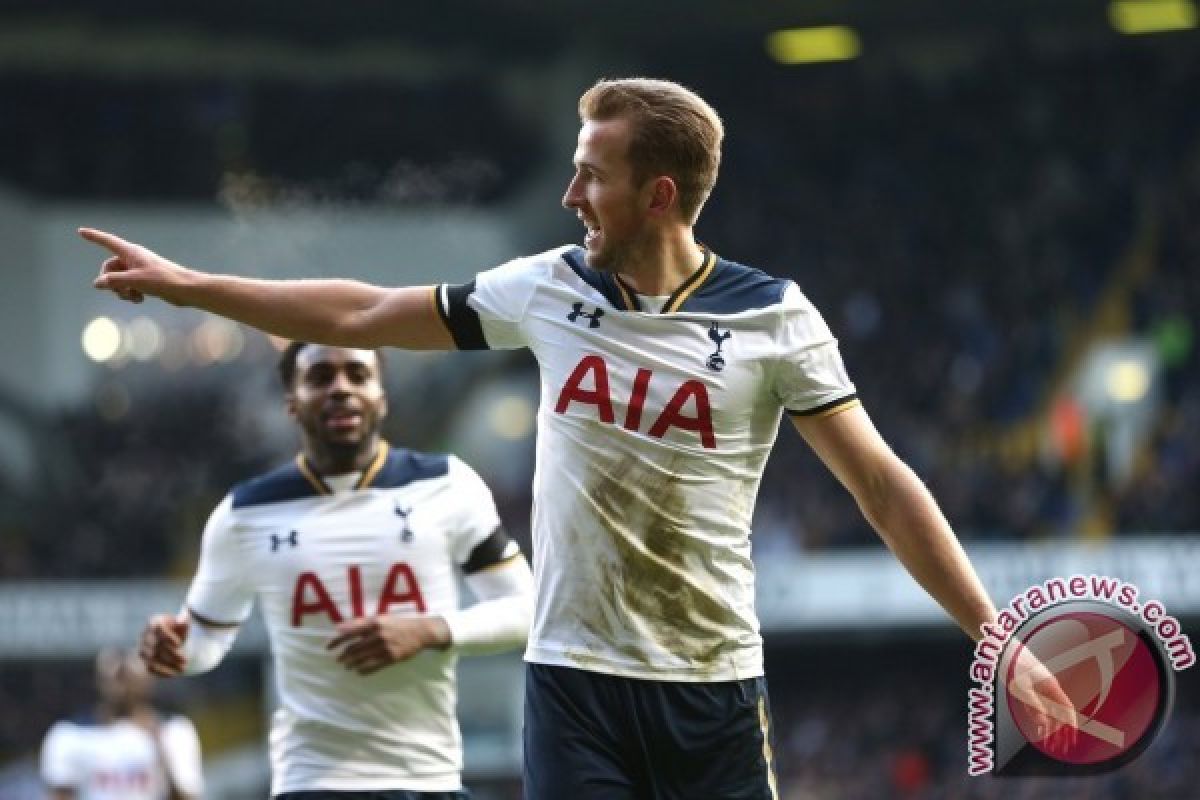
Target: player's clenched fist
[
  {"x": 133, "y": 271},
  {"x": 161, "y": 645},
  {"x": 372, "y": 643}
]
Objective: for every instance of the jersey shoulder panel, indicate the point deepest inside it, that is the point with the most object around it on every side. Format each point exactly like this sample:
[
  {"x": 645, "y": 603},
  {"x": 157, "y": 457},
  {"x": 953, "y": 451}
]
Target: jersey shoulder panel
[
  {"x": 406, "y": 466},
  {"x": 278, "y": 486},
  {"x": 83, "y": 720},
  {"x": 736, "y": 287}
]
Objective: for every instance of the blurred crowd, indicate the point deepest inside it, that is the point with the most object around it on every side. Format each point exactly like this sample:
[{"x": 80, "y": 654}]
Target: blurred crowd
[
  {"x": 262, "y": 143},
  {"x": 956, "y": 229},
  {"x": 1167, "y": 308},
  {"x": 855, "y": 721},
  {"x": 127, "y": 496}
]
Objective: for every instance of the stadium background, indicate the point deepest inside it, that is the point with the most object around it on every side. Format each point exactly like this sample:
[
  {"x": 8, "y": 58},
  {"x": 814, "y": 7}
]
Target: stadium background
[{"x": 993, "y": 204}]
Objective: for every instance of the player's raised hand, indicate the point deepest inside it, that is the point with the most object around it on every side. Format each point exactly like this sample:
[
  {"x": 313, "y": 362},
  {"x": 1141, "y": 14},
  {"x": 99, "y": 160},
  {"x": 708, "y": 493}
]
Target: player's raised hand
[
  {"x": 372, "y": 643},
  {"x": 133, "y": 271},
  {"x": 161, "y": 645}
]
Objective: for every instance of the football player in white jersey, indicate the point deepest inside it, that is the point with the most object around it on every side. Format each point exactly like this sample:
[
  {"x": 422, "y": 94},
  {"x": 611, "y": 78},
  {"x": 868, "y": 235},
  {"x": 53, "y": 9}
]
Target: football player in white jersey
[
  {"x": 352, "y": 551},
  {"x": 127, "y": 751},
  {"x": 665, "y": 371}
]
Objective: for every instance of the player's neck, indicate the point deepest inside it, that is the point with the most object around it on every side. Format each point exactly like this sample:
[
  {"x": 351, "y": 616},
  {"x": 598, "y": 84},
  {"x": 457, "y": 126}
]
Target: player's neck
[
  {"x": 664, "y": 264},
  {"x": 333, "y": 460},
  {"x": 110, "y": 712}
]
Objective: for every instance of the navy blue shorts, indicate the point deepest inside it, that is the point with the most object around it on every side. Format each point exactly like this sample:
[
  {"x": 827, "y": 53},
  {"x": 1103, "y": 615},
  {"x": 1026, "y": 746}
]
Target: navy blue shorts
[{"x": 591, "y": 736}]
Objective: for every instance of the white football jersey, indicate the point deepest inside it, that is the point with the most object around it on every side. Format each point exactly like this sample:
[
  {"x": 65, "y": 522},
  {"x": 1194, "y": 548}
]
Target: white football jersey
[
  {"x": 653, "y": 432},
  {"x": 121, "y": 761},
  {"x": 314, "y": 557}
]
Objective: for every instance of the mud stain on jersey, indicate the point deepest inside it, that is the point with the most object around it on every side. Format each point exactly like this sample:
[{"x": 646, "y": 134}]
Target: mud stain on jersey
[{"x": 661, "y": 580}]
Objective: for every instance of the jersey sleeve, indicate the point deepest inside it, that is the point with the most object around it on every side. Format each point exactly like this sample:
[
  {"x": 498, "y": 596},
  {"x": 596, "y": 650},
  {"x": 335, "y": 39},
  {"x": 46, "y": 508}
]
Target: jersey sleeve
[
  {"x": 220, "y": 591},
  {"x": 59, "y": 758},
  {"x": 488, "y": 312},
  {"x": 475, "y": 519},
  {"x": 181, "y": 751},
  {"x": 810, "y": 377}
]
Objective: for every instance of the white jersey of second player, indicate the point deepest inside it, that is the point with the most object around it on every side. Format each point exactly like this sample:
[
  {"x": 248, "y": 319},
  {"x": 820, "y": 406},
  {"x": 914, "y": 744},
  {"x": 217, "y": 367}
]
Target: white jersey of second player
[
  {"x": 120, "y": 760},
  {"x": 653, "y": 433},
  {"x": 315, "y": 556}
]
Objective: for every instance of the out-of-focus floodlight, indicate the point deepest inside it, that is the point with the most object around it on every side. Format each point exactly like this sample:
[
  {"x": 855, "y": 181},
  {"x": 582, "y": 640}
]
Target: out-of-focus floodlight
[
  {"x": 1151, "y": 16},
  {"x": 101, "y": 339},
  {"x": 1127, "y": 381},
  {"x": 813, "y": 45},
  {"x": 215, "y": 340},
  {"x": 144, "y": 339},
  {"x": 174, "y": 355}
]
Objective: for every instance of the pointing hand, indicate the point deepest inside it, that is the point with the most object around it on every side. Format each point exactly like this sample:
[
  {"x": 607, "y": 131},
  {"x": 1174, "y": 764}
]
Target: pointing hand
[{"x": 133, "y": 271}]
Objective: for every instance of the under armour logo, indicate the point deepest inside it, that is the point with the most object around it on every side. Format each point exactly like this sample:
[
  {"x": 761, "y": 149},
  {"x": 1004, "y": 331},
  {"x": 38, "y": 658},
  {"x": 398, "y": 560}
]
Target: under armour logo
[
  {"x": 593, "y": 318},
  {"x": 290, "y": 539},
  {"x": 716, "y": 361}
]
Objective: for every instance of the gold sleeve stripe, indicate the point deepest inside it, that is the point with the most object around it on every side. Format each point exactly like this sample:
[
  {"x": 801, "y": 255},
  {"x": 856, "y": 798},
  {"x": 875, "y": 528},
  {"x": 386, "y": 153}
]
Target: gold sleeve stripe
[
  {"x": 504, "y": 562},
  {"x": 764, "y": 724},
  {"x": 829, "y": 412},
  {"x": 829, "y": 409},
  {"x": 693, "y": 283},
  {"x": 437, "y": 306}
]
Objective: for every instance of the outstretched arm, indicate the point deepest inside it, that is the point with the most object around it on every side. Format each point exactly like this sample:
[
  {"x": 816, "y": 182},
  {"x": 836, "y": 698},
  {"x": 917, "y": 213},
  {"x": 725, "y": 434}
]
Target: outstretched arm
[
  {"x": 902, "y": 511},
  {"x": 908, "y": 520},
  {"x": 338, "y": 312}
]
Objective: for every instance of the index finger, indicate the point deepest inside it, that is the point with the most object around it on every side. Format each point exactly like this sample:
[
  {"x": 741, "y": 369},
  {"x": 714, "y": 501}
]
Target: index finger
[
  {"x": 349, "y": 630},
  {"x": 105, "y": 239},
  {"x": 164, "y": 622},
  {"x": 164, "y": 633}
]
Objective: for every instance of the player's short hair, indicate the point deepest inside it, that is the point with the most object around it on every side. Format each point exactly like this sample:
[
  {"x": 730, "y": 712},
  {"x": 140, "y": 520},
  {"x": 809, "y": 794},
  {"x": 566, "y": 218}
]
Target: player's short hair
[
  {"x": 287, "y": 363},
  {"x": 675, "y": 133}
]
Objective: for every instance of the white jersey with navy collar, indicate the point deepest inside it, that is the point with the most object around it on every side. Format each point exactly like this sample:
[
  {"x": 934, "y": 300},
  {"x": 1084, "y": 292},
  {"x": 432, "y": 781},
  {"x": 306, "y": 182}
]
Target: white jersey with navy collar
[
  {"x": 314, "y": 557},
  {"x": 654, "y": 430}
]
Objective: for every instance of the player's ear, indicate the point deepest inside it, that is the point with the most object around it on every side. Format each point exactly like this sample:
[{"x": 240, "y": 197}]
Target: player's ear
[
  {"x": 663, "y": 194},
  {"x": 289, "y": 403}
]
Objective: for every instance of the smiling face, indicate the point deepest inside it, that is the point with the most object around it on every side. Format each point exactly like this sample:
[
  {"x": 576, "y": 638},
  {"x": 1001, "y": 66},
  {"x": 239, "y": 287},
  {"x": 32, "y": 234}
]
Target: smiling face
[
  {"x": 605, "y": 197},
  {"x": 338, "y": 400}
]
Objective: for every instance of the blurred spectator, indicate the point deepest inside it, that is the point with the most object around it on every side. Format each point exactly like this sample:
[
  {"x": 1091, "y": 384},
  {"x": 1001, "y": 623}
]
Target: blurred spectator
[{"x": 127, "y": 750}]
